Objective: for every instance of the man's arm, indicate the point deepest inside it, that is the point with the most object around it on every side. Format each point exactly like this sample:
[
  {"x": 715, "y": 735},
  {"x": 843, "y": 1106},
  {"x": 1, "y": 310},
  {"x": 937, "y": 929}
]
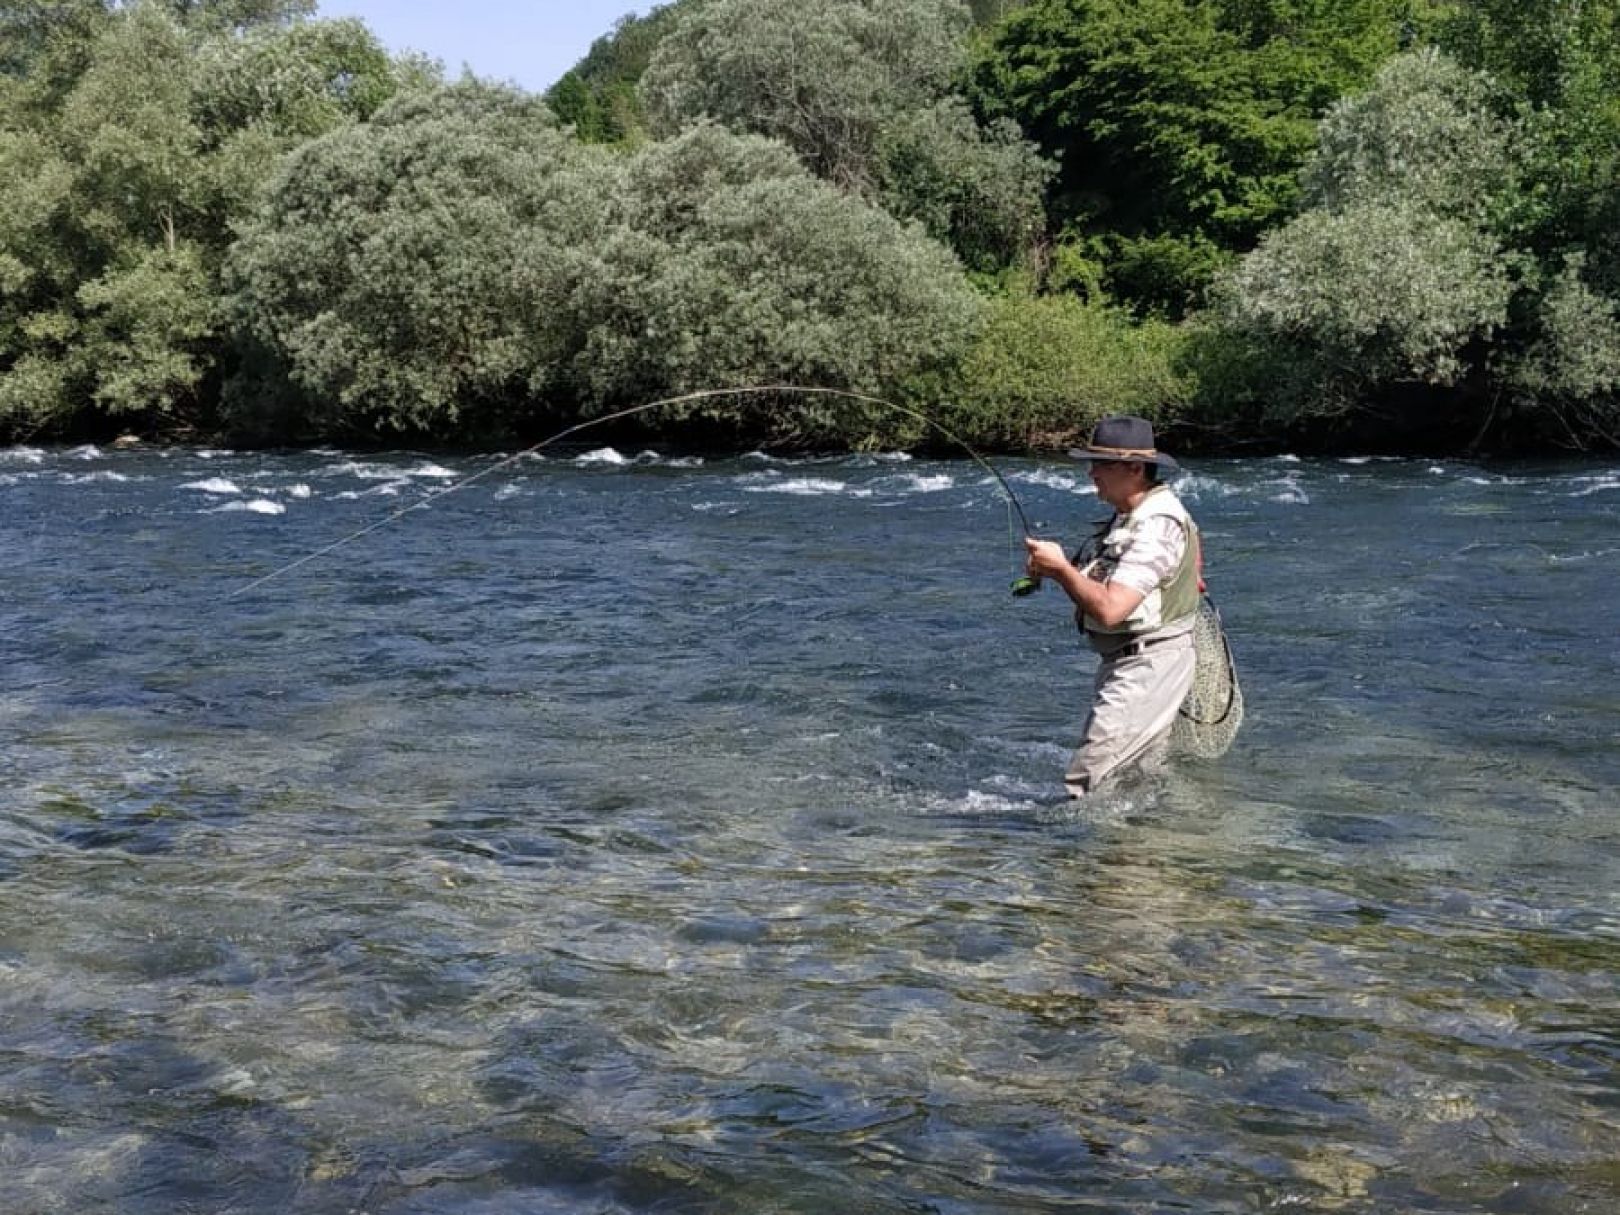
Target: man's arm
[{"x": 1108, "y": 603}]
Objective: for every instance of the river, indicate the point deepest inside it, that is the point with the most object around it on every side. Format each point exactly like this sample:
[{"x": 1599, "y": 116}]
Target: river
[{"x": 627, "y": 833}]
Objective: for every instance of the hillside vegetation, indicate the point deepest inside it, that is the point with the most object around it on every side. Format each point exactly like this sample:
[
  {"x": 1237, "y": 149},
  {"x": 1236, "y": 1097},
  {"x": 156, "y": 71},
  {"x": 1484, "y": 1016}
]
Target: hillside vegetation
[{"x": 1320, "y": 224}]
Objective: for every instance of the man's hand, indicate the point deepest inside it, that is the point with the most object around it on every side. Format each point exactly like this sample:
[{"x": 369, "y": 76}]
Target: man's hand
[
  {"x": 1046, "y": 559},
  {"x": 1108, "y": 603}
]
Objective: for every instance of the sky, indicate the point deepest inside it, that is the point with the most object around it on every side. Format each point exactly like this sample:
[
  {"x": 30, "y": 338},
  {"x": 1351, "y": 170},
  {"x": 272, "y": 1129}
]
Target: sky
[{"x": 531, "y": 42}]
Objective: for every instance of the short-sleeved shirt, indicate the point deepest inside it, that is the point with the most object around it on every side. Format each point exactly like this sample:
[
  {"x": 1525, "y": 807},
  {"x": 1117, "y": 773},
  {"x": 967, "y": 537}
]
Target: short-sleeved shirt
[{"x": 1153, "y": 556}]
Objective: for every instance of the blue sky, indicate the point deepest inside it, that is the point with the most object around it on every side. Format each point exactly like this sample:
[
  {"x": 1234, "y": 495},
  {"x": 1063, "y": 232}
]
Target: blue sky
[{"x": 531, "y": 42}]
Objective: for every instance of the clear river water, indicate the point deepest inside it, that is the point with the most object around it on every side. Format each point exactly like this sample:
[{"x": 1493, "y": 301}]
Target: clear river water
[{"x": 630, "y": 834}]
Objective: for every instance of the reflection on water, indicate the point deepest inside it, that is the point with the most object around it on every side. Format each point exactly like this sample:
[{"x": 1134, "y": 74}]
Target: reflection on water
[{"x": 629, "y": 835}]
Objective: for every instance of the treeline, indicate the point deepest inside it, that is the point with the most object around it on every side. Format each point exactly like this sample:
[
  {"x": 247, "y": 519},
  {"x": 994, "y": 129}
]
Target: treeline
[{"x": 1313, "y": 223}]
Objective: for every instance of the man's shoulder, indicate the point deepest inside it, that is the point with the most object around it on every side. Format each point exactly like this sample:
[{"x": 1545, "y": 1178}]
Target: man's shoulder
[{"x": 1162, "y": 504}]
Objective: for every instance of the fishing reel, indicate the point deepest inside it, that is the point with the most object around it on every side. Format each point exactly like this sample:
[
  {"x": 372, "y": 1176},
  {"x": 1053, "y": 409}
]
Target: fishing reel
[{"x": 1027, "y": 585}]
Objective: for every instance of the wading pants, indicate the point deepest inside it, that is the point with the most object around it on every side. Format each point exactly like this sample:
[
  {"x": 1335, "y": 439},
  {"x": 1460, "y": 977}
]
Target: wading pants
[{"x": 1138, "y": 693}]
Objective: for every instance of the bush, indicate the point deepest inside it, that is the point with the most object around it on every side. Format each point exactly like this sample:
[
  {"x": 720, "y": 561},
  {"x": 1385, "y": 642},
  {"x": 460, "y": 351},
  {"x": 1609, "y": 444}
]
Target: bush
[
  {"x": 461, "y": 261},
  {"x": 1377, "y": 293},
  {"x": 730, "y": 265},
  {"x": 1570, "y": 372},
  {"x": 1397, "y": 278},
  {"x": 862, "y": 90},
  {"x": 407, "y": 270},
  {"x": 1045, "y": 368},
  {"x": 135, "y": 137},
  {"x": 1427, "y": 133}
]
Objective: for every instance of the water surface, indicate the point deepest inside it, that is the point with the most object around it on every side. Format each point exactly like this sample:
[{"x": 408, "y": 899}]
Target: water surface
[{"x": 631, "y": 834}]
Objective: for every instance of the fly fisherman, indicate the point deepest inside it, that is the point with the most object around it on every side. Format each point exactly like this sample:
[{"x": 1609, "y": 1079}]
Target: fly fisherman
[{"x": 1135, "y": 587}]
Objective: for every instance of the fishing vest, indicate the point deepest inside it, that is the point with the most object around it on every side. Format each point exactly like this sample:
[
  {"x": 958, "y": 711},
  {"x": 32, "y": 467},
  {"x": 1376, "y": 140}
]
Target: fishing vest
[{"x": 1173, "y": 600}]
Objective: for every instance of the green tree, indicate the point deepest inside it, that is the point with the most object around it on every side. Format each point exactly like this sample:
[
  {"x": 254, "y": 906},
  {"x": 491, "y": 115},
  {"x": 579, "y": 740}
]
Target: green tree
[
  {"x": 45, "y": 46},
  {"x": 1373, "y": 293},
  {"x": 1045, "y": 368},
  {"x": 1396, "y": 272},
  {"x": 1568, "y": 376},
  {"x": 731, "y": 265},
  {"x": 1429, "y": 132},
  {"x": 258, "y": 96},
  {"x": 864, "y": 92},
  {"x": 975, "y": 186},
  {"x": 224, "y": 15},
  {"x": 989, "y": 12},
  {"x": 1180, "y": 125},
  {"x": 1413, "y": 268},
  {"x": 822, "y": 76},
  {"x": 1542, "y": 51},
  {"x": 461, "y": 262},
  {"x": 129, "y": 144},
  {"x": 51, "y": 39},
  {"x": 115, "y": 216},
  {"x": 1560, "y": 60},
  {"x": 598, "y": 97},
  {"x": 409, "y": 270}
]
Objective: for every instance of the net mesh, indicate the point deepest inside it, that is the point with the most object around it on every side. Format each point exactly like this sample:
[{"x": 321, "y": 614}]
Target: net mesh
[{"x": 1213, "y": 711}]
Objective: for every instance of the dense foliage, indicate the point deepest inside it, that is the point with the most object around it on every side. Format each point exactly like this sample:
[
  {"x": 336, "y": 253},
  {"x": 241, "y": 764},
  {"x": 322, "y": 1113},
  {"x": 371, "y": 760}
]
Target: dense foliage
[
  {"x": 1181, "y": 125},
  {"x": 1413, "y": 269},
  {"x": 863, "y": 93},
  {"x": 598, "y": 97},
  {"x": 1311, "y": 222},
  {"x": 131, "y": 139},
  {"x": 1045, "y": 368},
  {"x": 461, "y": 261}
]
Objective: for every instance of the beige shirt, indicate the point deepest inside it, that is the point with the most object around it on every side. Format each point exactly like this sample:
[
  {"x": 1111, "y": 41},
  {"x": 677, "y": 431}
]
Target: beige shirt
[{"x": 1153, "y": 556}]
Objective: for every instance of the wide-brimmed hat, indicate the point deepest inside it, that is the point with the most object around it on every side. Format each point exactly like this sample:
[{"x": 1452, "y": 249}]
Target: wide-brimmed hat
[{"x": 1124, "y": 438}]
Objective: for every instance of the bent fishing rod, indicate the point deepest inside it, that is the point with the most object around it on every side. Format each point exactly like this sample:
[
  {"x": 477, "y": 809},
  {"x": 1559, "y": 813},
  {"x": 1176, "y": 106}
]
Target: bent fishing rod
[{"x": 1021, "y": 586}]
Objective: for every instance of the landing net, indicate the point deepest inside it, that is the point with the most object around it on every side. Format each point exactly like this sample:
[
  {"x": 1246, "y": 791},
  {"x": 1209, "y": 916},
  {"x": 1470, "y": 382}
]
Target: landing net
[{"x": 1213, "y": 711}]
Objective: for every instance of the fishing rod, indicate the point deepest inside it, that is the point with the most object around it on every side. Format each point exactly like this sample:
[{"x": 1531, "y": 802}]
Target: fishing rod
[{"x": 1021, "y": 586}]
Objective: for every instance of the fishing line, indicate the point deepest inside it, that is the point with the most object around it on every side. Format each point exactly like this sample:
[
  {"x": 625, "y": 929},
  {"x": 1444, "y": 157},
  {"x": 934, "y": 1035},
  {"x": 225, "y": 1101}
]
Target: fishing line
[{"x": 1020, "y": 586}]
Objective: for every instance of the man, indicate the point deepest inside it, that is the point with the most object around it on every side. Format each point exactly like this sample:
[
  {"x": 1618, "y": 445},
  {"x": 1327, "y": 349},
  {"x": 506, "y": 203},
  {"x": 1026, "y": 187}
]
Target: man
[{"x": 1135, "y": 588}]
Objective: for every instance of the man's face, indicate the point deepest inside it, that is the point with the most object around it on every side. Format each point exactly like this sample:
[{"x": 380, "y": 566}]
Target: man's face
[{"x": 1116, "y": 480}]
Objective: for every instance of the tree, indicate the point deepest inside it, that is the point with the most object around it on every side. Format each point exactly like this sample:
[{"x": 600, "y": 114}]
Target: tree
[
  {"x": 258, "y": 96},
  {"x": 106, "y": 222},
  {"x": 1542, "y": 51},
  {"x": 129, "y": 144},
  {"x": 45, "y": 47},
  {"x": 597, "y": 97},
  {"x": 1430, "y": 132},
  {"x": 52, "y": 38},
  {"x": 410, "y": 269},
  {"x": 1372, "y": 293},
  {"x": 1570, "y": 370},
  {"x": 977, "y": 187},
  {"x": 1560, "y": 61},
  {"x": 1412, "y": 267},
  {"x": 730, "y": 265},
  {"x": 823, "y": 76},
  {"x": 1395, "y": 271},
  {"x": 988, "y": 12},
  {"x": 218, "y": 15},
  {"x": 461, "y": 261},
  {"x": 864, "y": 92},
  {"x": 1180, "y": 125}
]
